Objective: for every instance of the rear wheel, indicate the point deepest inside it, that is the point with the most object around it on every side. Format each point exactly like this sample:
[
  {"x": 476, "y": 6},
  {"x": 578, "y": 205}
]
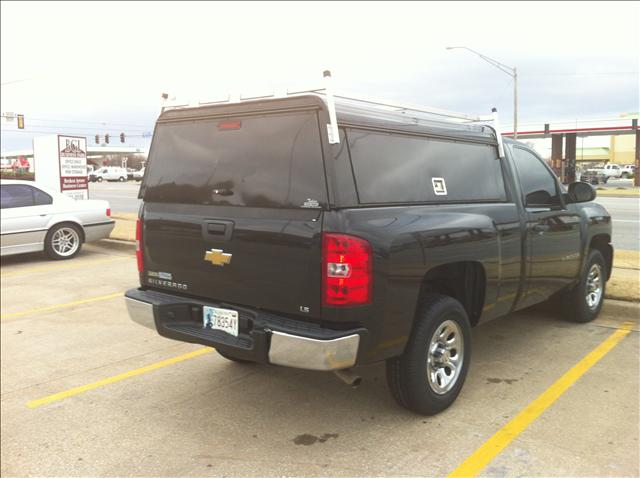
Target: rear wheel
[
  {"x": 121, "y": 179},
  {"x": 63, "y": 241},
  {"x": 429, "y": 375},
  {"x": 584, "y": 301},
  {"x": 99, "y": 179}
]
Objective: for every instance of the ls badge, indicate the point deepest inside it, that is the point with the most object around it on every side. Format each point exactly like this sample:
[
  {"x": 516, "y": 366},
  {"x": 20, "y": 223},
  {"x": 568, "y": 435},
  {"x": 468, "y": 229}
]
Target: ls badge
[{"x": 217, "y": 257}]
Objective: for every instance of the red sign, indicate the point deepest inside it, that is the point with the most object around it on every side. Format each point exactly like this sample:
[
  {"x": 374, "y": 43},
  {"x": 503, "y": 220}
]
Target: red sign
[{"x": 71, "y": 183}]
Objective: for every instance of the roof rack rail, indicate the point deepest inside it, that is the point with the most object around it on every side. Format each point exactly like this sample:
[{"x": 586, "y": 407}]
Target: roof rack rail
[{"x": 326, "y": 90}]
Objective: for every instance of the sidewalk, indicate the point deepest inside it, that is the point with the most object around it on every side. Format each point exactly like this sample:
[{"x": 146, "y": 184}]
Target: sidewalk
[
  {"x": 623, "y": 285},
  {"x": 625, "y": 279},
  {"x": 632, "y": 192},
  {"x": 125, "y": 229}
]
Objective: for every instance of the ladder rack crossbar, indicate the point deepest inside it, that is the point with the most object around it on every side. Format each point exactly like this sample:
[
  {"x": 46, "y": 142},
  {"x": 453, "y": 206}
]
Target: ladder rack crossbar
[
  {"x": 369, "y": 101},
  {"x": 332, "y": 128}
]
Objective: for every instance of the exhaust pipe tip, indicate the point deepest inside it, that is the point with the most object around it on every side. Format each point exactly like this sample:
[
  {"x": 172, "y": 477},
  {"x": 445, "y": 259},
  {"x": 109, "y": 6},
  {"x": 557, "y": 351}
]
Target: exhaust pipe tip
[{"x": 349, "y": 377}]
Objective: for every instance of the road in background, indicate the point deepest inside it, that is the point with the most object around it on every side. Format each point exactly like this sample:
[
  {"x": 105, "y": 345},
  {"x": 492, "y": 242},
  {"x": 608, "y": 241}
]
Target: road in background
[
  {"x": 626, "y": 221},
  {"x": 613, "y": 183},
  {"x": 123, "y": 198}
]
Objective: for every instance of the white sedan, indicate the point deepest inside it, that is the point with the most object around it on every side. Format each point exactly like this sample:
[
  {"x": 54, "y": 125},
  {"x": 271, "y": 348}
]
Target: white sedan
[{"x": 35, "y": 219}]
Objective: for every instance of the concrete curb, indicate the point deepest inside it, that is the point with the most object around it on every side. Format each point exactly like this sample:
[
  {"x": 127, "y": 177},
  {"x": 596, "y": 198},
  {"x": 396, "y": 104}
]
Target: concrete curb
[
  {"x": 622, "y": 192},
  {"x": 128, "y": 246},
  {"x": 124, "y": 230},
  {"x": 622, "y": 308}
]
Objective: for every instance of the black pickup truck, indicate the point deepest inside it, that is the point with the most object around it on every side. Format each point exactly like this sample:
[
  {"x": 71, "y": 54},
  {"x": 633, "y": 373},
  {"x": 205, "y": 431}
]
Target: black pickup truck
[{"x": 264, "y": 236}]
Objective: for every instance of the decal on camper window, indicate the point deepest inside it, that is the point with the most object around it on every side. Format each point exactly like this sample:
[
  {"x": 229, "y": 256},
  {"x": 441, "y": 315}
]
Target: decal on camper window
[{"x": 439, "y": 186}]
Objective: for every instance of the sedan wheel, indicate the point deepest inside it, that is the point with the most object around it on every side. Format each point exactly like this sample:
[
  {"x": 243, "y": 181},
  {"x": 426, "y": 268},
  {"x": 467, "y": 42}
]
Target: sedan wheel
[{"x": 63, "y": 242}]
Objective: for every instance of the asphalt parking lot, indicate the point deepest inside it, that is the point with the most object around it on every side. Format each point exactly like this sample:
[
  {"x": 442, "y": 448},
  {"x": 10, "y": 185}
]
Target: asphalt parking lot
[{"x": 87, "y": 392}]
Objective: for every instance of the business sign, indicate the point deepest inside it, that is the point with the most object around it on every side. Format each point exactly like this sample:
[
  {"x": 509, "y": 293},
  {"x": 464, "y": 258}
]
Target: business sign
[
  {"x": 72, "y": 156},
  {"x": 61, "y": 164}
]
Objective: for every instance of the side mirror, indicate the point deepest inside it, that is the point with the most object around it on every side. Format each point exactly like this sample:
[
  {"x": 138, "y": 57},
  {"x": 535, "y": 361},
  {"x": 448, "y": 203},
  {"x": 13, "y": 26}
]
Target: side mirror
[{"x": 581, "y": 192}]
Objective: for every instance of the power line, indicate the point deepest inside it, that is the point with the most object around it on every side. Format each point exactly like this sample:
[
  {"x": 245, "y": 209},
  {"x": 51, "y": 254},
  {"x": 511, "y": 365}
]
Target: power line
[
  {"x": 93, "y": 130},
  {"x": 103, "y": 123},
  {"x": 579, "y": 74},
  {"x": 79, "y": 133}
]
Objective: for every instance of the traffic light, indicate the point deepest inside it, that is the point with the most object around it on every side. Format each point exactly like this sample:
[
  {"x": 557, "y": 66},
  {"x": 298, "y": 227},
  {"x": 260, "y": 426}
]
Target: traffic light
[
  {"x": 106, "y": 138},
  {"x": 20, "y": 121},
  {"x": 97, "y": 139},
  {"x": 122, "y": 137}
]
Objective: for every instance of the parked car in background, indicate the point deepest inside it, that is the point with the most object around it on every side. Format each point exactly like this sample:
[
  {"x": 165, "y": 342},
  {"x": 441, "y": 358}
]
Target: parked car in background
[
  {"x": 138, "y": 175},
  {"x": 130, "y": 173},
  {"x": 628, "y": 171},
  {"x": 109, "y": 173},
  {"x": 39, "y": 219},
  {"x": 610, "y": 170},
  {"x": 594, "y": 176}
]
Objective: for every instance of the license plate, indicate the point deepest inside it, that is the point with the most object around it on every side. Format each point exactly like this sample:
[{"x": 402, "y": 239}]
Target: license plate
[{"x": 220, "y": 319}]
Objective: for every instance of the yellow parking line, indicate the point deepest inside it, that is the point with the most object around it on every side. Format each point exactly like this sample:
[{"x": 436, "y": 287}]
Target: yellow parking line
[
  {"x": 60, "y": 306},
  {"x": 499, "y": 441},
  {"x": 34, "y": 270},
  {"x": 117, "y": 378}
]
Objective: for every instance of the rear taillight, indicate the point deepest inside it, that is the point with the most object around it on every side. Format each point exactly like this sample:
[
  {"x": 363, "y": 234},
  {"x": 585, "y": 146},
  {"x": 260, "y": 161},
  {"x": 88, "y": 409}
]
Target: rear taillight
[
  {"x": 346, "y": 270},
  {"x": 108, "y": 212},
  {"x": 139, "y": 245}
]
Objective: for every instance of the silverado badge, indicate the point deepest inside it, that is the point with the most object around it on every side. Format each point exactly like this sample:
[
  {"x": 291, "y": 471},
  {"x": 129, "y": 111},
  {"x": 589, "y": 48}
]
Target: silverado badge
[{"x": 217, "y": 257}]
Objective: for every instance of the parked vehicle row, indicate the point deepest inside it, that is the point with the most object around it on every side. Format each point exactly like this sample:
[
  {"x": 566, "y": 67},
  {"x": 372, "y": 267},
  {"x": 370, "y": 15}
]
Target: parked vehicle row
[
  {"x": 316, "y": 254},
  {"x": 115, "y": 173},
  {"x": 602, "y": 174}
]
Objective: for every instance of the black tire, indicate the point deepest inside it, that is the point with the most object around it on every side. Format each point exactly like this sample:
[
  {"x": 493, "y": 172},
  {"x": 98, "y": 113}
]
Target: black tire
[
  {"x": 53, "y": 247},
  {"x": 232, "y": 358},
  {"x": 407, "y": 375},
  {"x": 576, "y": 305},
  {"x": 99, "y": 179},
  {"x": 121, "y": 179}
]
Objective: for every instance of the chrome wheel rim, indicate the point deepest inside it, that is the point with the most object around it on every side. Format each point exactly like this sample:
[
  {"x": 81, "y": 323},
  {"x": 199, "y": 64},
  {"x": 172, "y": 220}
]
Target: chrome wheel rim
[
  {"x": 65, "y": 241},
  {"x": 594, "y": 286},
  {"x": 445, "y": 357}
]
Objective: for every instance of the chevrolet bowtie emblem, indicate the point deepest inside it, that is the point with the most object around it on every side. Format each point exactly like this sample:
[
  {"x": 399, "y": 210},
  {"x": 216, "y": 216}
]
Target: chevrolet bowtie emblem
[{"x": 217, "y": 257}]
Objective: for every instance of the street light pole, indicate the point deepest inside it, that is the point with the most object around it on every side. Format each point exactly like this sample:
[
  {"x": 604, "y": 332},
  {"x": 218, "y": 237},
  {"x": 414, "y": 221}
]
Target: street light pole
[
  {"x": 509, "y": 70},
  {"x": 515, "y": 103}
]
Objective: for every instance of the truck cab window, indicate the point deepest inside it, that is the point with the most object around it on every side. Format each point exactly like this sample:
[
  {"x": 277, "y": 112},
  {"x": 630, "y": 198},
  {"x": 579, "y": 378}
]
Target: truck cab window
[{"x": 538, "y": 184}]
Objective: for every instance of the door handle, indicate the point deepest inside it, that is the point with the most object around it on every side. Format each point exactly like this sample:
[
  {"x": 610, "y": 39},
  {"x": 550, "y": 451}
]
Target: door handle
[
  {"x": 217, "y": 230},
  {"x": 541, "y": 228}
]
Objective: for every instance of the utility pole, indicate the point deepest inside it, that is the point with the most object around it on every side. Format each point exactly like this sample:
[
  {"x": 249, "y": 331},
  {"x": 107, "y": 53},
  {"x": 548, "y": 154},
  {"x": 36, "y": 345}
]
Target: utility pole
[
  {"x": 515, "y": 103},
  {"x": 509, "y": 70},
  {"x": 636, "y": 173}
]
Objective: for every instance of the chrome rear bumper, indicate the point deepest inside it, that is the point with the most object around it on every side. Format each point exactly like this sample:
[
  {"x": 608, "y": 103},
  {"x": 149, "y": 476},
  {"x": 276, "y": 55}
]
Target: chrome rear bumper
[
  {"x": 312, "y": 354},
  {"x": 141, "y": 312},
  {"x": 281, "y": 348}
]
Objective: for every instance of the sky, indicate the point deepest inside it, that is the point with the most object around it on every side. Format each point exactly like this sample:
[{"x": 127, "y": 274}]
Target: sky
[{"x": 91, "y": 68}]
